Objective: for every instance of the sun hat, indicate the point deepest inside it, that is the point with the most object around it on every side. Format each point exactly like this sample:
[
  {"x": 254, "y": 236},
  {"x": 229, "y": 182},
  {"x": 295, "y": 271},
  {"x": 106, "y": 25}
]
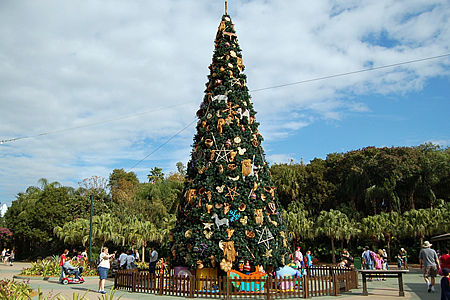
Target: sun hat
[{"x": 427, "y": 244}]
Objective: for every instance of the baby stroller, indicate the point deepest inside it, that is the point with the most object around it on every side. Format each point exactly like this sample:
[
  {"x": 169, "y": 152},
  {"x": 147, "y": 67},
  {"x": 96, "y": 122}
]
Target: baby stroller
[{"x": 72, "y": 275}]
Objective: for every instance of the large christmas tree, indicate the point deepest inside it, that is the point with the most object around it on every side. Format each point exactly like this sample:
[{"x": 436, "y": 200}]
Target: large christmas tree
[{"x": 229, "y": 211}]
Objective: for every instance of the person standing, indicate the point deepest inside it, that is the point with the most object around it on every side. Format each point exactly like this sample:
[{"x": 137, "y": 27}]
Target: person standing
[
  {"x": 103, "y": 269},
  {"x": 309, "y": 259},
  {"x": 404, "y": 257},
  {"x": 298, "y": 258},
  {"x": 368, "y": 258},
  {"x": 445, "y": 285},
  {"x": 153, "y": 260},
  {"x": 3, "y": 254},
  {"x": 122, "y": 260},
  {"x": 12, "y": 256},
  {"x": 445, "y": 259},
  {"x": 130, "y": 260},
  {"x": 429, "y": 259},
  {"x": 62, "y": 260}
]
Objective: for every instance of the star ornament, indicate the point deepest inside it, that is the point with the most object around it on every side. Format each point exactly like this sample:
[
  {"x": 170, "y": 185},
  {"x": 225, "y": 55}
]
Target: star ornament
[
  {"x": 208, "y": 225},
  {"x": 232, "y": 193},
  {"x": 222, "y": 154},
  {"x": 268, "y": 253},
  {"x": 265, "y": 236}
]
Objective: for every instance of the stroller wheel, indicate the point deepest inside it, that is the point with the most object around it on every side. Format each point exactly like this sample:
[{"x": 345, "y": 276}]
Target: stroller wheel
[{"x": 65, "y": 281}]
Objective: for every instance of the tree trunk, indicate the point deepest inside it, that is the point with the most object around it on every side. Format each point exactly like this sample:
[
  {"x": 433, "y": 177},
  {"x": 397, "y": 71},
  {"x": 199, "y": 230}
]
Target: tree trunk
[
  {"x": 143, "y": 253},
  {"x": 411, "y": 200},
  {"x": 332, "y": 251},
  {"x": 389, "y": 248}
]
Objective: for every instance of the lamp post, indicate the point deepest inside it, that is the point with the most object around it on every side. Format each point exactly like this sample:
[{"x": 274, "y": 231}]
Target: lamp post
[{"x": 90, "y": 229}]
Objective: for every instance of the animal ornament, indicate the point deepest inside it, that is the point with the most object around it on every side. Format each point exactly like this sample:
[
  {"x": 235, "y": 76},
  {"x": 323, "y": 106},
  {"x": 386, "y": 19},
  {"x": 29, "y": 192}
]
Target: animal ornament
[{"x": 220, "y": 222}]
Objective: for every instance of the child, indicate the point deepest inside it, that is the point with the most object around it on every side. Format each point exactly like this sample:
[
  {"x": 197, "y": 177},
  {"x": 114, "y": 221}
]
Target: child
[
  {"x": 445, "y": 284},
  {"x": 378, "y": 263}
]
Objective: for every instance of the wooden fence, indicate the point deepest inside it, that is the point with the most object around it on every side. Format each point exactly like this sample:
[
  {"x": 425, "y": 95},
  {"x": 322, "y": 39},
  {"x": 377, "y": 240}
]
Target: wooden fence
[{"x": 319, "y": 281}]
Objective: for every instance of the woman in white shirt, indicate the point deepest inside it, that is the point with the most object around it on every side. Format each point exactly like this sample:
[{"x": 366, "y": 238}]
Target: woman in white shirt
[{"x": 103, "y": 268}]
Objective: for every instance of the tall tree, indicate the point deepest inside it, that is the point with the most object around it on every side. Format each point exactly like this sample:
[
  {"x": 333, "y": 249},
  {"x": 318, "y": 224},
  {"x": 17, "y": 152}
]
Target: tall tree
[{"x": 230, "y": 210}]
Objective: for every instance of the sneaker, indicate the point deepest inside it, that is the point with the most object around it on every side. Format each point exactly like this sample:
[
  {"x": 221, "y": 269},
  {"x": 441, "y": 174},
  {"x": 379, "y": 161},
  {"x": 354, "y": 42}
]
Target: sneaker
[
  {"x": 102, "y": 292},
  {"x": 432, "y": 289},
  {"x": 429, "y": 289}
]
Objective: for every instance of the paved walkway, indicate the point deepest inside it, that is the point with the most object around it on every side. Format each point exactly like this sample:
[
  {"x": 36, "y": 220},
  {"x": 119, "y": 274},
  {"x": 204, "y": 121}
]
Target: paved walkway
[{"x": 414, "y": 285}]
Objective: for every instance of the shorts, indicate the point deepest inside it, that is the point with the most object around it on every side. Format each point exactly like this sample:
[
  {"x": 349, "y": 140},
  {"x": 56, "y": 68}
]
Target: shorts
[
  {"x": 430, "y": 272},
  {"x": 103, "y": 272}
]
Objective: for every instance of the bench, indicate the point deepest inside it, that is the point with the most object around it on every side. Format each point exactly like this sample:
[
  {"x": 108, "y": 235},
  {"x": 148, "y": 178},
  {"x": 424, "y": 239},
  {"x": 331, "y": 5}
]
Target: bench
[{"x": 383, "y": 274}]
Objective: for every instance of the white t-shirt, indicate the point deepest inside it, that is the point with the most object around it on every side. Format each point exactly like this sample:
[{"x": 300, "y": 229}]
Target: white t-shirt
[
  {"x": 154, "y": 256},
  {"x": 104, "y": 260}
]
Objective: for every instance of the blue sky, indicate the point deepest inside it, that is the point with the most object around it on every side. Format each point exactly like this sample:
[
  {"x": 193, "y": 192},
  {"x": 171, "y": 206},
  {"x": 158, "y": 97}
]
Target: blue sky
[{"x": 138, "y": 69}]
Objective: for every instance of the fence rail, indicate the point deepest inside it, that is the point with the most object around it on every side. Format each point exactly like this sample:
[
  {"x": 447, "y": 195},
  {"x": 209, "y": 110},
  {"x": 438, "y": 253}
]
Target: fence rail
[{"x": 318, "y": 281}]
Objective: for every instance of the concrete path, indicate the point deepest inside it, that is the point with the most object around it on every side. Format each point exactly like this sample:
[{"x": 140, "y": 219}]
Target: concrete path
[{"x": 414, "y": 285}]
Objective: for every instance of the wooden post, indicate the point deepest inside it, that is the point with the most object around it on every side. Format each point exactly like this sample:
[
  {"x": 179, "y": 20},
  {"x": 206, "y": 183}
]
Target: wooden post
[
  {"x": 401, "y": 293},
  {"x": 365, "y": 293},
  {"x": 192, "y": 284},
  {"x": 268, "y": 287},
  {"x": 161, "y": 283},
  {"x": 228, "y": 295},
  {"x": 133, "y": 281}
]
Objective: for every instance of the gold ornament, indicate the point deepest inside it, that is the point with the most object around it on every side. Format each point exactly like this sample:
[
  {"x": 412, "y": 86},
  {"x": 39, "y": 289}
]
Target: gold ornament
[
  {"x": 232, "y": 155},
  {"x": 220, "y": 188},
  {"x": 209, "y": 142},
  {"x": 237, "y": 140},
  {"x": 220, "y": 124},
  {"x": 228, "y": 251},
  {"x": 259, "y": 217},
  {"x": 246, "y": 167},
  {"x": 268, "y": 253},
  {"x": 233, "y": 54},
  {"x": 232, "y": 193},
  {"x": 226, "y": 208},
  {"x": 208, "y": 208},
  {"x": 244, "y": 220},
  {"x": 188, "y": 234},
  {"x": 220, "y": 169},
  {"x": 242, "y": 207},
  {"x": 249, "y": 234},
  {"x": 208, "y": 234},
  {"x": 230, "y": 232},
  {"x": 199, "y": 264},
  {"x": 226, "y": 265},
  {"x": 191, "y": 195}
]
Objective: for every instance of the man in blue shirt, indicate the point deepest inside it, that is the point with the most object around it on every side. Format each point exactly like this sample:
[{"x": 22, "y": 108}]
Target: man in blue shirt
[{"x": 368, "y": 259}]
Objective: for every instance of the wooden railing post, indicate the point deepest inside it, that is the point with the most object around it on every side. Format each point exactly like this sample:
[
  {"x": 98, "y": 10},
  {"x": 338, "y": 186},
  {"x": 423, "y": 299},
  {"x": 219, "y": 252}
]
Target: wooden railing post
[
  {"x": 192, "y": 284},
  {"x": 228, "y": 295},
  {"x": 268, "y": 287},
  {"x": 161, "y": 283},
  {"x": 305, "y": 286},
  {"x": 133, "y": 281}
]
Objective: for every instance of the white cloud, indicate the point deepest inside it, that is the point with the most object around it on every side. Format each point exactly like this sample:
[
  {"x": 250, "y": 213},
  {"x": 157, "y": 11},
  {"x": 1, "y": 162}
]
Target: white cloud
[{"x": 66, "y": 64}]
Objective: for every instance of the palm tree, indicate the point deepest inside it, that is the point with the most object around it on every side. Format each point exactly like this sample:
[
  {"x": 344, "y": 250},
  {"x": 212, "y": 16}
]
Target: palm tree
[
  {"x": 75, "y": 232},
  {"x": 372, "y": 226},
  {"x": 418, "y": 223},
  {"x": 331, "y": 224},
  {"x": 105, "y": 228}
]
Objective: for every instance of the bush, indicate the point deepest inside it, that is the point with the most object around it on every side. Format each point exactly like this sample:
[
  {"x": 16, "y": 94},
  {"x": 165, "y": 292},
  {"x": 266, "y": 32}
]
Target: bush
[
  {"x": 11, "y": 289},
  {"x": 50, "y": 267}
]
